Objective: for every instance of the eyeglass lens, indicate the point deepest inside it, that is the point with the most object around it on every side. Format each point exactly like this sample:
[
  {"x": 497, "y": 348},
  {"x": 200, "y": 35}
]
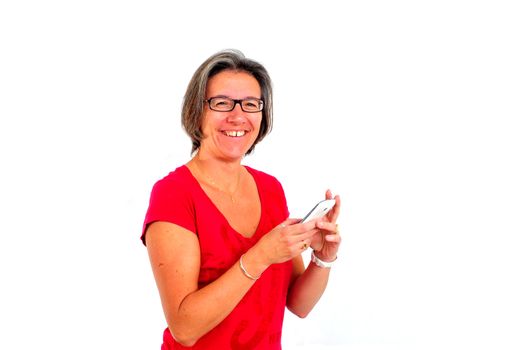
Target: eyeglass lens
[{"x": 225, "y": 104}]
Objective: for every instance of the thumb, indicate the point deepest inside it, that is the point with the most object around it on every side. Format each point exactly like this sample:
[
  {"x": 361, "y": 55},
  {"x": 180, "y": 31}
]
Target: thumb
[{"x": 289, "y": 222}]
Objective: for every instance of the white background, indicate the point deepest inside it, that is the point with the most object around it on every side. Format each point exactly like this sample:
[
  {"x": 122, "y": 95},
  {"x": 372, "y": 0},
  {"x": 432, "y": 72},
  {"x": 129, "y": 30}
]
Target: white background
[{"x": 413, "y": 111}]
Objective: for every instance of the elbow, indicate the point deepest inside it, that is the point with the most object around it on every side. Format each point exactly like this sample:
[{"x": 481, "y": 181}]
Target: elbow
[
  {"x": 299, "y": 309},
  {"x": 183, "y": 329},
  {"x": 186, "y": 342},
  {"x": 183, "y": 337},
  {"x": 301, "y": 313}
]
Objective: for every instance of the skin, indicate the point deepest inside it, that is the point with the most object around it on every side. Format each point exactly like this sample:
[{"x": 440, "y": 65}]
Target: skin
[{"x": 174, "y": 251}]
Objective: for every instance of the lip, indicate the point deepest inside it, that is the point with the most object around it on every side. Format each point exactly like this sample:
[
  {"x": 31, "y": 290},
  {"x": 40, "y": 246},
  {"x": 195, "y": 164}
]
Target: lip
[{"x": 234, "y": 133}]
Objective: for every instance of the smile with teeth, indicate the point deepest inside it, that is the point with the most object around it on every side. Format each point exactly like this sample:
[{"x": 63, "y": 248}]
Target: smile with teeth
[{"x": 235, "y": 133}]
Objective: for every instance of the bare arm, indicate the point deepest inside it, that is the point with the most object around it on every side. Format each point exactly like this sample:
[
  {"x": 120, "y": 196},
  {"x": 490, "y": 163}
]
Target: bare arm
[
  {"x": 308, "y": 285},
  {"x": 175, "y": 258},
  {"x": 307, "y": 288}
]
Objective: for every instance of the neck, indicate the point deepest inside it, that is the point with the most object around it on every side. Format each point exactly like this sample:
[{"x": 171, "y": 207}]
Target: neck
[{"x": 222, "y": 175}]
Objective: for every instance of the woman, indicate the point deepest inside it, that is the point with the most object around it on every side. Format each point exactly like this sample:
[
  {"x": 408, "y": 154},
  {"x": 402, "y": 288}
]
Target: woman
[{"x": 225, "y": 256}]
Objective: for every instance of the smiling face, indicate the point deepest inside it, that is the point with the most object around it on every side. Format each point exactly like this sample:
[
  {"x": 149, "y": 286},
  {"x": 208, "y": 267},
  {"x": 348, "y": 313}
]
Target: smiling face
[{"x": 229, "y": 135}]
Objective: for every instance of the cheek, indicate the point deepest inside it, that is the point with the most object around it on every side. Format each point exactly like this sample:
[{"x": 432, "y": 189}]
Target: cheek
[
  {"x": 257, "y": 122},
  {"x": 207, "y": 124}
]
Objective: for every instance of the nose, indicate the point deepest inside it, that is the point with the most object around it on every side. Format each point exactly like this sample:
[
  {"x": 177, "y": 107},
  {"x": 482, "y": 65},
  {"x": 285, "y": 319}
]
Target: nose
[
  {"x": 236, "y": 115},
  {"x": 237, "y": 102}
]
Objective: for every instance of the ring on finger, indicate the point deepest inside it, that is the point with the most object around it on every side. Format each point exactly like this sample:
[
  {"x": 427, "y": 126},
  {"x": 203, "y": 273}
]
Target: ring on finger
[{"x": 304, "y": 246}]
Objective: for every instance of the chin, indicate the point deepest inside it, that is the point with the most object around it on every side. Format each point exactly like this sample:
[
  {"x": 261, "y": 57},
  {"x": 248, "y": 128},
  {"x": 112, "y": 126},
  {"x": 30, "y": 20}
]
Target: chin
[
  {"x": 237, "y": 155},
  {"x": 234, "y": 152}
]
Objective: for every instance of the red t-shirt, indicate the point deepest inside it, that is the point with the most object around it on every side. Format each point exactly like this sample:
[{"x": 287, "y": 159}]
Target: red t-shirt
[{"x": 256, "y": 322}]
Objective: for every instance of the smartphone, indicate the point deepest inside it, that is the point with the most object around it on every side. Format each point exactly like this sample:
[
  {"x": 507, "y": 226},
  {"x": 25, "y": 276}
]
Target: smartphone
[{"x": 319, "y": 210}]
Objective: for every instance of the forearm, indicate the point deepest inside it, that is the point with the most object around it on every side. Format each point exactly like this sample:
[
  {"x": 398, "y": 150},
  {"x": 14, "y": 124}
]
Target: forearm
[
  {"x": 309, "y": 285},
  {"x": 204, "y": 309},
  {"x": 307, "y": 290},
  {"x": 192, "y": 312}
]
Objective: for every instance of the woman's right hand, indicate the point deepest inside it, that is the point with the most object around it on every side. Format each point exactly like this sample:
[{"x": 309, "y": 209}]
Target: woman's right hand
[{"x": 286, "y": 241}]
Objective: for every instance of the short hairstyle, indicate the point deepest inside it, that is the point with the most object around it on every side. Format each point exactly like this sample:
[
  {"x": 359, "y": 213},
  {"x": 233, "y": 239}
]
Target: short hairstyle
[{"x": 194, "y": 98}]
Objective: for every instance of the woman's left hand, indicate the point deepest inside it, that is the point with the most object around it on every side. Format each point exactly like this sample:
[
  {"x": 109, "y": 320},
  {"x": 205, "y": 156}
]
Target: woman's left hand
[{"x": 327, "y": 241}]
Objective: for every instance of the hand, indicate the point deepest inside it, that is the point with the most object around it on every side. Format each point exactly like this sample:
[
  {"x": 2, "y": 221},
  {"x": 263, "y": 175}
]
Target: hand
[
  {"x": 286, "y": 241},
  {"x": 327, "y": 241}
]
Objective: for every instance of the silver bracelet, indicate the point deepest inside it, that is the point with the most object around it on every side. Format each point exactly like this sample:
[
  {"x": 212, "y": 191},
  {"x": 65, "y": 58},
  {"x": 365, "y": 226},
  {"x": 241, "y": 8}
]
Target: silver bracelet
[
  {"x": 321, "y": 263},
  {"x": 245, "y": 271}
]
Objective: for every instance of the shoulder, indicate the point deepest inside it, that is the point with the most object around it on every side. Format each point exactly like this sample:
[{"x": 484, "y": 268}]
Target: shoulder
[
  {"x": 178, "y": 178},
  {"x": 171, "y": 200},
  {"x": 180, "y": 174},
  {"x": 272, "y": 193},
  {"x": 262, "y": 177},
  {"x": 175, "y": 186},
  {"x": 267, "y": 184}
]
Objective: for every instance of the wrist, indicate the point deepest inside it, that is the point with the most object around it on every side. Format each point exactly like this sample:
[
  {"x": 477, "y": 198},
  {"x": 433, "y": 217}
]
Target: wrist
[
  {"x": 254, "y": 263},
  {"x": 322, "y": 261},
  {"x": 325, "y": 258}
]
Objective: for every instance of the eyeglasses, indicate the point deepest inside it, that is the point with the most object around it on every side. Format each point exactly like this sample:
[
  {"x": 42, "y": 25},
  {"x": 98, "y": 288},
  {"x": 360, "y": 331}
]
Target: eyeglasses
[{"x": 226, "y": 104}]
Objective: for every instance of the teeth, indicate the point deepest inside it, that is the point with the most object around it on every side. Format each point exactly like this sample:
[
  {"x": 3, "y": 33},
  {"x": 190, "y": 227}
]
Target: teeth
[{"x": 234, "y": 133}]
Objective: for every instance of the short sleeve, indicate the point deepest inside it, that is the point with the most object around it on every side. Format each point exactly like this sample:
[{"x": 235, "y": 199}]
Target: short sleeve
[
  {"x": 170, "y": 201},
  {"x": 273, "y": 192},
  {"x": 284, "y": 199},
  {"x": 278, "y": 195}
]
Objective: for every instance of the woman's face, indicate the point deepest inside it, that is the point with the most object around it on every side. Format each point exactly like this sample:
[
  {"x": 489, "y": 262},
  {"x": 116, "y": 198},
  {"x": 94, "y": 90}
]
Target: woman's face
[{"x": 229, "y": 135}]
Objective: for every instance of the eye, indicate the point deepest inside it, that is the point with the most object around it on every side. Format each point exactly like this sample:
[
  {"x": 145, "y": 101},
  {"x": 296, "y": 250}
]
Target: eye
[
  {"x": 251, "y": 104},
  {"x": 221, "y": 103}
]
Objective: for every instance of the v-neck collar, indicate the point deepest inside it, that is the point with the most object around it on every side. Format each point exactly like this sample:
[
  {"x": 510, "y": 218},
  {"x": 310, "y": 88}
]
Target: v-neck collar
[{"x": 256, "y": 233}]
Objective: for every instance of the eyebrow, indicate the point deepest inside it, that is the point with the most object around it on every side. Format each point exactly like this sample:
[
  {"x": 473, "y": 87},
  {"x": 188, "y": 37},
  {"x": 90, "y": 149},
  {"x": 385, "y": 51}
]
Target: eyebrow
[{"x": 244, "y": 98}]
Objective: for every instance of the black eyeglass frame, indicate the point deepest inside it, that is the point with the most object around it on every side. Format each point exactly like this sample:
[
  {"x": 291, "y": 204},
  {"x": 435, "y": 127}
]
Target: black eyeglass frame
[{"x": 261, "y": 104}]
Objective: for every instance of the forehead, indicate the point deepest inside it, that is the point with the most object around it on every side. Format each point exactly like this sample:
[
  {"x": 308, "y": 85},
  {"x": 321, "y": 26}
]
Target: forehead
[{"x": 234, "y": 84}]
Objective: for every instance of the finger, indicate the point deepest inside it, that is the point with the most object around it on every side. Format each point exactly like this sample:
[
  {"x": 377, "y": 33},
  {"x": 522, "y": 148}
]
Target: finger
[
  {"x": 306, "y": 235},
  {"x": 285, "y": 226},
  {"x": 335, "y": 211},
  {"x": 333, "y": 238},
  {"x": 299, "y": 228},
  {"x": 288, "y": 222},
  {"x": 304, "y": 244},
  {"x": 327, "y": 226}
]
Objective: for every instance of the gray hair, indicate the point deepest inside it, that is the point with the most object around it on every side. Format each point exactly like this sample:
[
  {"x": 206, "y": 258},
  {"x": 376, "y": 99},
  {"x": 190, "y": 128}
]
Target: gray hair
[{"x": 194, "y": 98}]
